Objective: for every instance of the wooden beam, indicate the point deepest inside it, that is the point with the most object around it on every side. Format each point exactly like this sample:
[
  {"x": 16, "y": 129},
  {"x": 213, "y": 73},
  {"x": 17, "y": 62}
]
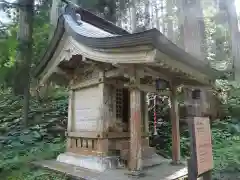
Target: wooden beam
[
  {"x": 101, "y": 135},
  {"x": 85, "y": 134},
  {"x": 58, "y": 70},
  {"x": 86, "y": 83},
  {"x": 192, "y": 82},
  {"x": 205, "y": 87},
  {"x": 148, "y": 88},
  {"x": 135, "y": 161},
  {"x": 156, "y": 74},
  {"x": 174, "y": 114},
  {"x": 114, "y": 73}
]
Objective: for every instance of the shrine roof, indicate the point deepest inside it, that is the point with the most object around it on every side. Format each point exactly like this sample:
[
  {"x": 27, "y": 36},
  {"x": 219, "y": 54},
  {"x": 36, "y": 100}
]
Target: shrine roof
[{"x": 95, "y": 32}]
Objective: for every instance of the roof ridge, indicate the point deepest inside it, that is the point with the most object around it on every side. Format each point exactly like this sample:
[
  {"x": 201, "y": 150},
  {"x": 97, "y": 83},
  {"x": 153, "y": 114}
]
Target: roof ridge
[{"x": 89, "y": 17}]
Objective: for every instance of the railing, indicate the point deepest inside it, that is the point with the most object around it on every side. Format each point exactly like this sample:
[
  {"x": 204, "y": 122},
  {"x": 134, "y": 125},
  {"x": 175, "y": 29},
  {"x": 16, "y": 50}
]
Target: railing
[
  {"x": 83, "y": 146},
  {"x": 93, "y": 143}
]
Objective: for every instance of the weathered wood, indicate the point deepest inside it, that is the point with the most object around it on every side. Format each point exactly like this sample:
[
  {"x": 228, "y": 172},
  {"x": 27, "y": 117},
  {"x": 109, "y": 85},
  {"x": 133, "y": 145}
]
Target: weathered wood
[
  {"x": 102, "y": 135},
  {"x": 137, "y": 55},
  {"x": 156, "y": 74},
  {"x": 200, "y": 163},
  {"x": 114, "y": 73},
  {"x": 194, "y": 110},
  {"x": 174, "y": 66},
  {"x": 70, "y": 115},
  {"x": 103, "y": 107},
  {"x": 85, "y": 134},
  {"x": 87, "y": 109},
  {"x": 147, "y": 88},
  {"x": 135, "y": 163},
  {"x": 70, "y": 110},
  {"x": 86, "y": 83},
  {"x": 174, "y": 114},
  {"x": 145, "y": 114},
  {"x": 102, "y": 146},
  {"x": 116, "y": 135}
]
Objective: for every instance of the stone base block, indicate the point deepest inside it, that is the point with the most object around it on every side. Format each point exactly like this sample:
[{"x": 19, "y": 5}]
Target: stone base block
[
  {"x": 90, "y": 162},
  {"x": 153, "y": 160}
]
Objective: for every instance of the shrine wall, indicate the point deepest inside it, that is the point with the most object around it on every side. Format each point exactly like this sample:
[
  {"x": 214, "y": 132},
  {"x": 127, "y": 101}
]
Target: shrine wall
[{"x": 87, "y": 105}]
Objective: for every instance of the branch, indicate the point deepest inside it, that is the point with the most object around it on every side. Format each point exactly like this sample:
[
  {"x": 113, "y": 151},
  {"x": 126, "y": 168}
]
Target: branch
[
  {"x": 3, "y": 26},
  {"x": 70, "y": 2},
  {"x": 5, "y": 4}
]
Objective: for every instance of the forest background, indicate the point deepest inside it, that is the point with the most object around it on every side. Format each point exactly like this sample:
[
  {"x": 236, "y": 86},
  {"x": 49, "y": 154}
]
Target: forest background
[{"x": 33, "y": 120}]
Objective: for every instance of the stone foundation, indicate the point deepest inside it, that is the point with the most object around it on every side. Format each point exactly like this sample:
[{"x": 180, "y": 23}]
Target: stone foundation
[
  {"x": 96, "y": 163},
  {"x": 153, "y": 160}
]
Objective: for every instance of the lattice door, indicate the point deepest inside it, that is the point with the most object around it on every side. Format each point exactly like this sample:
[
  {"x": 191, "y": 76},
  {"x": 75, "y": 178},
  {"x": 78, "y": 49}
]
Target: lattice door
[{"x": 119, "y": 103}]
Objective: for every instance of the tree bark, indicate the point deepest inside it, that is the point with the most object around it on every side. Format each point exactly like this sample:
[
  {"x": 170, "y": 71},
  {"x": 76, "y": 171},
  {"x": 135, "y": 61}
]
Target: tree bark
[
  {"x": 147, "y": 14},
  {"x": 180, "y": 40},
  {"x": 194, "y": 32},
  {"x": 157, "y": 17},
  {"x": 133, "y": 12},
  {"x": 54, "y": 14},
  {"x": 193, "y": 28},
  {"x": 24, "y": 54},
  {"x": 235, "y": 36},
  {"x": 170, "y": 33}
]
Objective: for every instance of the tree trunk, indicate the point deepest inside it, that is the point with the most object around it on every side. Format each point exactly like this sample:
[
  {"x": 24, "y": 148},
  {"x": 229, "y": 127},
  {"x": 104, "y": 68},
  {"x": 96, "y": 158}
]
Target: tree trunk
[
  {"x": 170, "y": 33},
  {"x": 133, "y": 12},
  {"x": 24, "y": 54},
  {"x": 54, "y": 14},
  {"x": 180, "y": 40},
  {"x": 235, "y": 36},
  {"x": 193, "y": 28},
  {"x": 194, "y": 35},
  {"x": 157, "y": 17},
  {"x": 147, "y": 14}
]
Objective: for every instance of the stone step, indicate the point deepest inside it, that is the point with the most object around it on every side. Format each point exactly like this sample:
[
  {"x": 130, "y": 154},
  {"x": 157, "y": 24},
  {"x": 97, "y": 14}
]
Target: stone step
[
  {"x": 125, "y": 144},
  {"x": 147, "y": 152}
]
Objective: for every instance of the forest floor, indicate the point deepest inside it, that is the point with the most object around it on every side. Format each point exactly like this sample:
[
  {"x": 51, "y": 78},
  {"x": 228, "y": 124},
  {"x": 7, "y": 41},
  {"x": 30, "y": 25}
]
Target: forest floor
[{"x": 44, "y": 139}]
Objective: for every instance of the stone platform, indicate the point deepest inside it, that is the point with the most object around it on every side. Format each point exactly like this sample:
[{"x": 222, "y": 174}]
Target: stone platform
[{"x": 164, "y": 171}]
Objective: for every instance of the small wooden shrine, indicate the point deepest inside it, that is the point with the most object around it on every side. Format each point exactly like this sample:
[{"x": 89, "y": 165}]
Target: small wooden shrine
[{"x": 109, "y": 72}]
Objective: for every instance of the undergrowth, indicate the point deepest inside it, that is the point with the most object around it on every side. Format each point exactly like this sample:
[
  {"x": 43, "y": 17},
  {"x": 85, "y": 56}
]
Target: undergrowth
[
  {"x": 225, "y": 139},
  {"x": 43, "y": 139}
]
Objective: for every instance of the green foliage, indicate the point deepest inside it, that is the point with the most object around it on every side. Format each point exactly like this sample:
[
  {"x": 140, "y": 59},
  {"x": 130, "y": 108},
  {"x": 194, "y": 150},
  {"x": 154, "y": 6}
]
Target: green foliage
[
  {"x": 225, "y": 134},
  {"x": 19, "y": 147},
  {"x": 9, "y": 43}
]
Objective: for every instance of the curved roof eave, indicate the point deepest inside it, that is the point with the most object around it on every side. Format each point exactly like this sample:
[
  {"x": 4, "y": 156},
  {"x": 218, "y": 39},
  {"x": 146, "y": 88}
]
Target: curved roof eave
[
  {"x": 60, "y": 29},
  {"x": 151, "y": 37}
]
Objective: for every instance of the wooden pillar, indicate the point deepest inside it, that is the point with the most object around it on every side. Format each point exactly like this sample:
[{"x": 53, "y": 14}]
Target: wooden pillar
[
  {"x": 195, "y": 108},
  {"x": 135, "y": 161},
  {"x": 174, "y": 114},
  {"x": 146, "y": 115},
  {"x": 70, "y": 115},
  {"x": 102, "y": 144}
]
